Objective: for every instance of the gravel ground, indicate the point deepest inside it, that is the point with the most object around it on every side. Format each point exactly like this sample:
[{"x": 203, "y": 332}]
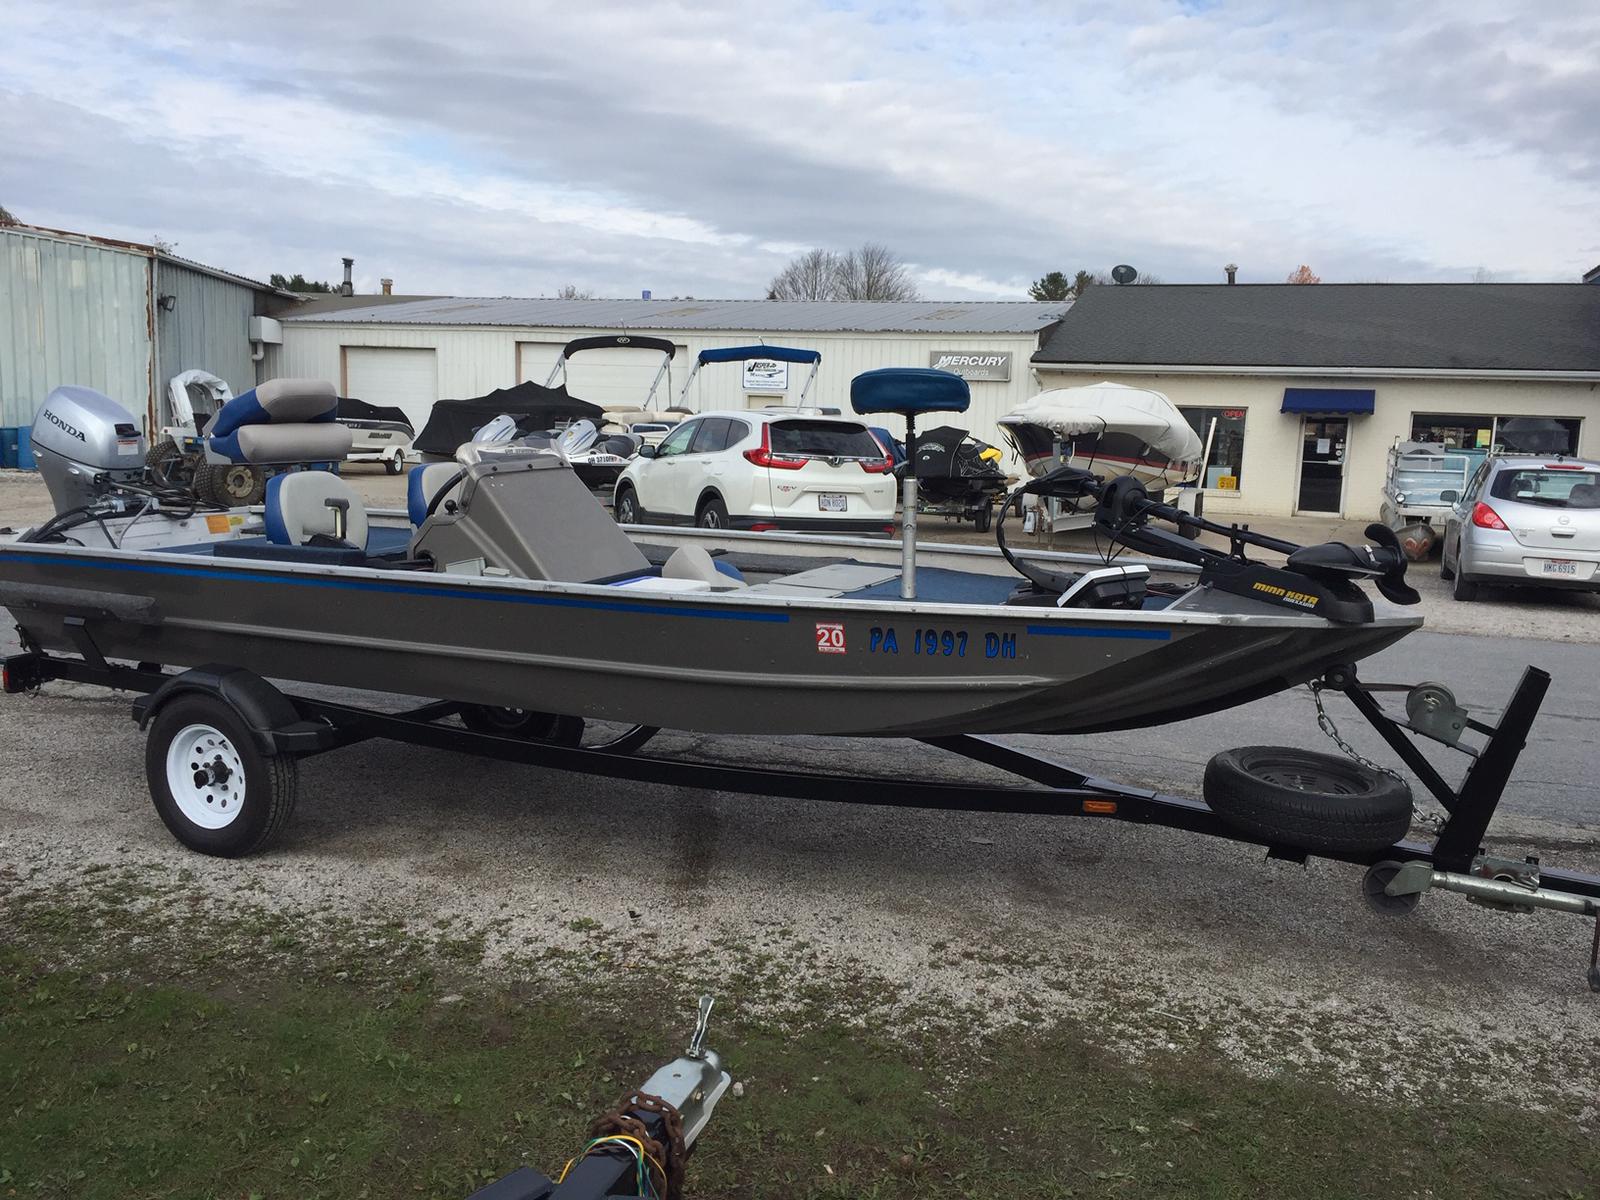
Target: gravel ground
[{"x": 1151, "y": 939}]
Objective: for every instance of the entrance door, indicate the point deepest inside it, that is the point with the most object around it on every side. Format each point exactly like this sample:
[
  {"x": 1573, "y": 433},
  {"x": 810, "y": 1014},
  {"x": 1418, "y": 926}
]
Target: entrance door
[{"x": 1322, "y": 464}]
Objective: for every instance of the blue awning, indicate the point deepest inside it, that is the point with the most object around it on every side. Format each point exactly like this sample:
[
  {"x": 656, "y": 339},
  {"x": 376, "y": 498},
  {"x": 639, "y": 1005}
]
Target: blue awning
[
  {"x": 746, "y": 353},
  {"x": 1334, "y": 402}
]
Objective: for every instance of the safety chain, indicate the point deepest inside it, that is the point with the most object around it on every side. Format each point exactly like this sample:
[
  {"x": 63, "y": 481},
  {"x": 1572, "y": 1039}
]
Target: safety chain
[
  {"x": 1325, "y": 723},
  {"x": 621, "y": 1120}
]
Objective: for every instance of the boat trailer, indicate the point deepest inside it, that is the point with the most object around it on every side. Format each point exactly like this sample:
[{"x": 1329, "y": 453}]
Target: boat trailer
[{"x": 288, "y": 727}]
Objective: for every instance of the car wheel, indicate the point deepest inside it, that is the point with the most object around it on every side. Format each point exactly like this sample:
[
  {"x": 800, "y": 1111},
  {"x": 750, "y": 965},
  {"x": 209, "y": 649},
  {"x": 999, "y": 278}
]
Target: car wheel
[
  {"x": 627, "y": 507},
  {"x": 1446, "y": 571},
  {"x": 713, "y": 514},
  {"x": 1462, "y": 588}
]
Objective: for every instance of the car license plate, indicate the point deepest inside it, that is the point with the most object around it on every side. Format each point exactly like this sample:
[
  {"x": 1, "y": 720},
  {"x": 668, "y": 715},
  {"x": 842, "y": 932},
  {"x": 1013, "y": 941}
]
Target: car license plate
[
  {"x": 1560, "y": 566},
  {"x": 831, "y": 502}
]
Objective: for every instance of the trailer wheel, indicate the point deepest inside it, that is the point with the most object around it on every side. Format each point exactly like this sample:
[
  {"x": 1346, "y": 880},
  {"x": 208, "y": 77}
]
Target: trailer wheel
[
  {"x": 1376, "y": 880},
  {"x": 1306, "y": 800},
  {"x": 982, "y": 518},
  {"x": 234, "y": 485},
  {"x": 392, "y": 465},
  {"x": 212, "y": 785},
  {"x": 523, "y": 723}
]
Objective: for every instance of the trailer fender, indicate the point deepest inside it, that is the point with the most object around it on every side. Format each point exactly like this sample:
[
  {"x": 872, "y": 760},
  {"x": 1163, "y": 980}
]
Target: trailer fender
[{"x": 271, "y": 717}]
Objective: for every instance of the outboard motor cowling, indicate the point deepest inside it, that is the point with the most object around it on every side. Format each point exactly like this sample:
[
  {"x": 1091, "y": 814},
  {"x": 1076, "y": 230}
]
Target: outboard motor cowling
[{"x": 85, "y": 444}]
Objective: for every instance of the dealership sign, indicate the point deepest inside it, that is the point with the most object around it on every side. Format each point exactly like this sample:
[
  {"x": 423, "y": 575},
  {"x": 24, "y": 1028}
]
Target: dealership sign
[
  {"x": 992, "y": 367},
  {"x": 766, "y": 375}
]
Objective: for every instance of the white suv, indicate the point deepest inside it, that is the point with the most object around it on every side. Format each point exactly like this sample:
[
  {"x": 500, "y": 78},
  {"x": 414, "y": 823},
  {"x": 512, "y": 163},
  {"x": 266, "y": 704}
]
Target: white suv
[{"x": 772, "y": 469}]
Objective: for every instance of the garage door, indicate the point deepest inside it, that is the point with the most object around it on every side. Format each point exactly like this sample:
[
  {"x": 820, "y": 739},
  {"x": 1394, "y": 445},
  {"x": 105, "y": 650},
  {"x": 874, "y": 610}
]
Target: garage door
[
  {"x": 606, "y": 376},
  {"x": 406, "y": 379}
]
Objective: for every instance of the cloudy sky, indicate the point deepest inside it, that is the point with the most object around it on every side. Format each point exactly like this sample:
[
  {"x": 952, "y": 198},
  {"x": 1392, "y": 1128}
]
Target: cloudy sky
[{"x": 509, "y": 148}]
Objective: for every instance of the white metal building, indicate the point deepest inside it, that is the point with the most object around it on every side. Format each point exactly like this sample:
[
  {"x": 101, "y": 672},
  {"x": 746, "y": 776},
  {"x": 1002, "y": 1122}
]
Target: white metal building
[
  {"x": 119, "y": 317},
  {"x": 412, "y": 354}
]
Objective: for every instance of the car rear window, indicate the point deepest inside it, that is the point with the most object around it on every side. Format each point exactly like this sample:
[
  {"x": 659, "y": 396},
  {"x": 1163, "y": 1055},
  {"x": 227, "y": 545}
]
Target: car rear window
[
  {"x": 1551, "y": 487},
  {"x": 824, "y": 439}
]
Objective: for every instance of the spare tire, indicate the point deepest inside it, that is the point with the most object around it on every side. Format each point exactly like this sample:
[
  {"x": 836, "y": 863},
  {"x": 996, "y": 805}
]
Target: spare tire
[{"x": 1306, "y": 800}]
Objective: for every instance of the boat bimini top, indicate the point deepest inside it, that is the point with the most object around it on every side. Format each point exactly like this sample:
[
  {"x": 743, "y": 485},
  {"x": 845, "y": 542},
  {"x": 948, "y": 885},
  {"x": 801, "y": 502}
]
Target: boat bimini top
[
  {"x": 727, "y": 354},
  {"x": 618, "y": 341}
]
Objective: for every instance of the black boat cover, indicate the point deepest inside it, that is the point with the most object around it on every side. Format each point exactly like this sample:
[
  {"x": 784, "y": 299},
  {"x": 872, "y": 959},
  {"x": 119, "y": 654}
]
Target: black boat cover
[
  {"x": 954, "y": 454},
  {"x": 359, "y": 410},
  {"x": 535, "y": 407}
]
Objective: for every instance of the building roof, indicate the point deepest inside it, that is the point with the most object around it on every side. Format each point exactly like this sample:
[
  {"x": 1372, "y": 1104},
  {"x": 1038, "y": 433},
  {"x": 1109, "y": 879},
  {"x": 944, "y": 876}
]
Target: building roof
[
  {"x": 148, "y": 251},
  {"x": 1411, "y": 326},
  {"x": 762, "y": 316},
  {"x": 307, "y": 304}
]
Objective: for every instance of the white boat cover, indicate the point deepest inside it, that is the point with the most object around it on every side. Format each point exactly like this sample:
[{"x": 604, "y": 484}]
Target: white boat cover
[{"x": 1112, "y": 407}]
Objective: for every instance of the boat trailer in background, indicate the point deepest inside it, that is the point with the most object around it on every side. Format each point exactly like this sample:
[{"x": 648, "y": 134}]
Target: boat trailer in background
[{"x": 283, "y": 728}]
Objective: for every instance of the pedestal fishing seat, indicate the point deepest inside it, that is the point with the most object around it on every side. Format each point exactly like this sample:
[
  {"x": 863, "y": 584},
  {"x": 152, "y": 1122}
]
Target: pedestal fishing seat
[{"x": 908, "y": 392}]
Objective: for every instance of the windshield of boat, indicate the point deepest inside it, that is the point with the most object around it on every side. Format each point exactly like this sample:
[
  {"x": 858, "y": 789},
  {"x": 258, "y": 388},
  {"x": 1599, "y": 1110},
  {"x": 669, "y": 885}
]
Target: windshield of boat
[
  {"x": 1550, "y": 486},
  {"x": 824, "y": 439}
]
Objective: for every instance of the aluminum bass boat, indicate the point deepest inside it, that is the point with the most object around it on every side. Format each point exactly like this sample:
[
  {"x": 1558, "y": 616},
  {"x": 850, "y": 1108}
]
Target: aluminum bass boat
[{"x": 506, "y": 584}]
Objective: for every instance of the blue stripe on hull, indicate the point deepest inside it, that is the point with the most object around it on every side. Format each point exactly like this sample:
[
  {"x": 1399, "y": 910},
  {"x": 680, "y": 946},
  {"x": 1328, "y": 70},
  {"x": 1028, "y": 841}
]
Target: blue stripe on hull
[
  {"x": 1100, "y": 631},
  {"x": 362, "y": 585}
]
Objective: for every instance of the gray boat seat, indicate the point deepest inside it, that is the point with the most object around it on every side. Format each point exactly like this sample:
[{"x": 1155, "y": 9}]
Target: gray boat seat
[
  {"x": 281, "y": 421},
  {"x": 303, "y": 505},
  {"x": 423, "y": 484},
  {"x": 693, "y": 563}
]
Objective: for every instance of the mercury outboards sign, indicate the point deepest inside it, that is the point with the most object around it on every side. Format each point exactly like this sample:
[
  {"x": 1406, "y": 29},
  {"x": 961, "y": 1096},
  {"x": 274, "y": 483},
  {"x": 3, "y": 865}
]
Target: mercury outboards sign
[{"x": 991, "y": 367}]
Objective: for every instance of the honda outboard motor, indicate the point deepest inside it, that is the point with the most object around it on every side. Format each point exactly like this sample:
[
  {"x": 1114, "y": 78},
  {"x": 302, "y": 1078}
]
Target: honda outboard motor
[{"x": 85, "y": 444}]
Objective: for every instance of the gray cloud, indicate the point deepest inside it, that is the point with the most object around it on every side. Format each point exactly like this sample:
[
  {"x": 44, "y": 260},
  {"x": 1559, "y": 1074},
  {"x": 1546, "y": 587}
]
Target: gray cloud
[{"x": 465, "y": 158}]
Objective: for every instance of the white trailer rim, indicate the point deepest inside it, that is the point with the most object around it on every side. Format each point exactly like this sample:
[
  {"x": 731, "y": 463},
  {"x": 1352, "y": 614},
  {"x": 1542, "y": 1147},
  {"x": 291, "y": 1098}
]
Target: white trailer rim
[{"x": 205, "y": 776}]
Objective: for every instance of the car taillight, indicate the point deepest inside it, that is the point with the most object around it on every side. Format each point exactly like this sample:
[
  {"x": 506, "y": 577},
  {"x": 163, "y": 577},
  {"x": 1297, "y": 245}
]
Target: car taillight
[
  {"x": 762, "y": 455},
  {"x": 1485, "y": 517},
  {"x": 877, "y": 468}
]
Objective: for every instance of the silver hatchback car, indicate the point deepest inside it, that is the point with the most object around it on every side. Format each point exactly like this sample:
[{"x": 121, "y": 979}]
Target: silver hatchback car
[{"x": 1525, "y": 520}]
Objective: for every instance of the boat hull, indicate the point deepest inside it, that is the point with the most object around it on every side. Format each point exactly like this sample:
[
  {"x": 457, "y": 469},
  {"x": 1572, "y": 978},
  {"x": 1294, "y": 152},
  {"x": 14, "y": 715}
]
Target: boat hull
[{"x": 717, "y": 663}]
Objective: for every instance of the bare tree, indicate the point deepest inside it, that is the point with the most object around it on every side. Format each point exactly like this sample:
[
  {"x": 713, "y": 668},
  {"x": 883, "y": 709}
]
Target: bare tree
[
  {"x": 1483, "y": 275},
  {"x": 571, "y": 291},
  {"x": 873, "y": 272},
  {"x": 160, "y": 243},
  {"x": 811, "y": 276},
  {"x": 6, "y": 218},
  {"x": 1303, "y": 274}
]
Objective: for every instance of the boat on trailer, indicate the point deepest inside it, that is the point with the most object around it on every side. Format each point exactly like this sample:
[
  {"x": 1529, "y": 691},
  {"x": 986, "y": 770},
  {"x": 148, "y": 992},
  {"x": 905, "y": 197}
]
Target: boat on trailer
[{"x": 506, "y": 598}]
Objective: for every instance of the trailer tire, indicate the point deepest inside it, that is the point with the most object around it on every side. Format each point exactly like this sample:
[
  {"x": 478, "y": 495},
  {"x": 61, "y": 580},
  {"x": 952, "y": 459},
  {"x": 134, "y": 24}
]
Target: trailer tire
[
  {"x": 1306, "y": 800},
  {"x": 523, "y": 723},
  {"x": 982, "y": 519},
  {"x": 193, "y": 798}
]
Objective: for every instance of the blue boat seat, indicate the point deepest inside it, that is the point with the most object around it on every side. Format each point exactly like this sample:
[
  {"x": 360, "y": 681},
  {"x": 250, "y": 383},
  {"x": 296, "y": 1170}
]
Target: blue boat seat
[
  {"x": 314, "y": 507},
  {"x": 423, "y": 484},
  {"x": 281, "y": 421},
  {"x": 909, "y": 391}
]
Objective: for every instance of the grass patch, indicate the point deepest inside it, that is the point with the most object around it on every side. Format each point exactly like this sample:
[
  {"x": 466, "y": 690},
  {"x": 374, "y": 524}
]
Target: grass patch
[{"x": 314, "y": 1056}]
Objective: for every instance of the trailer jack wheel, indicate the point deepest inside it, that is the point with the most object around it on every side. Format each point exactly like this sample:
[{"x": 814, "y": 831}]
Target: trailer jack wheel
[
  {"x": 212, "y": 784},
  {"x": 1374, "y": 891}
]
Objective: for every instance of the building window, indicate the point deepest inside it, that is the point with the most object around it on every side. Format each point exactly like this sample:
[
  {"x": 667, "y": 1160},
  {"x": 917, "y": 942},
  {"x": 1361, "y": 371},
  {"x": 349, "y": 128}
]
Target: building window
[
  {"x": 1225, "y": 428},
  {"x": 1531, "y": 435}
]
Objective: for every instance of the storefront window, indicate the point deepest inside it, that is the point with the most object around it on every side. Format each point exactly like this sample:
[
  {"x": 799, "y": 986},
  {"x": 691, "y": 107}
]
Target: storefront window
[
  {"x": 1225, "y": 466},
  {"x": 1530, "y": 435}
]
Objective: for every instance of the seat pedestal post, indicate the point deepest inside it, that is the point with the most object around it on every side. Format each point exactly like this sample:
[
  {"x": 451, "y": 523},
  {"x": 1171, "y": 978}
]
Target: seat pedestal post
[{"x": 908, "y": 516}]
